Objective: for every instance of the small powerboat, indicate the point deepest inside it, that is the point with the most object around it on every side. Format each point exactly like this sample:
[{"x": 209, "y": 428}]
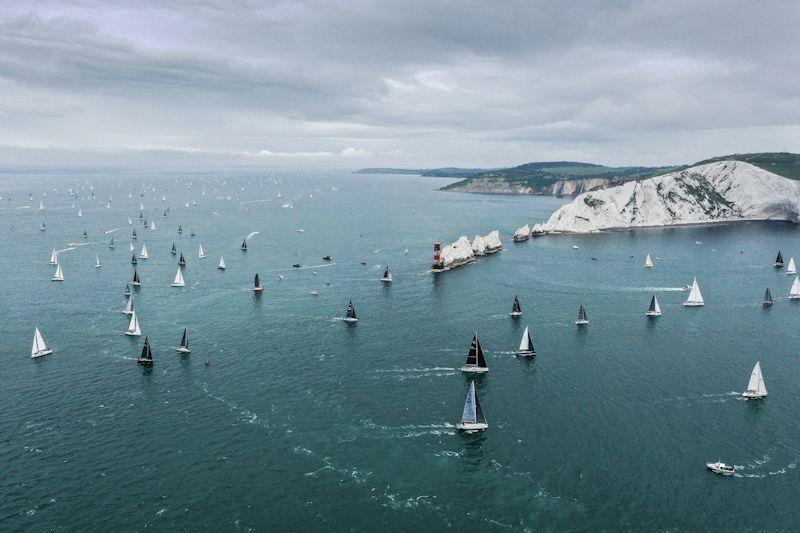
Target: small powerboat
[
  {"x": 326, "y": 258},
  {"x": 721, "y": 468}
]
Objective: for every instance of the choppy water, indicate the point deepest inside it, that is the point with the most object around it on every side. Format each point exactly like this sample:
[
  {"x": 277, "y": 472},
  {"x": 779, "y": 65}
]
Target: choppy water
[{"x": 304, "y": 423}]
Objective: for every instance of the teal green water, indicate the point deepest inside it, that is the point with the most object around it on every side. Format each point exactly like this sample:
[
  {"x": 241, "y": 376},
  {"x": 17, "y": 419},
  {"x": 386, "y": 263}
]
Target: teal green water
[{"x": 302, "y": 422}]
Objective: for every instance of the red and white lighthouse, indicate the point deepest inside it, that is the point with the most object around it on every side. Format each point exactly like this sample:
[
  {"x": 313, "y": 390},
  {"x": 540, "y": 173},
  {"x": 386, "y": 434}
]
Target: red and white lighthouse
[{"x": 437, "y": 255}]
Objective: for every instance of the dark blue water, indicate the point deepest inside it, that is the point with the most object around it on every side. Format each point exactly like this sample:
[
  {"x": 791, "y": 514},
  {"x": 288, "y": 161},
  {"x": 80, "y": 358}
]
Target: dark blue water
[{"x": 302, "y": 422}]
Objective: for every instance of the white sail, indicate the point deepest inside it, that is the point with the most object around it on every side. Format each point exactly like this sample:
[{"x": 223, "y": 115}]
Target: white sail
[
  {"x": 794, "y": 292},
  {"x": 132, "y": 248},
  {"x": 201, "y": 253},
  {"x": 524, "y": 345},
  {"x": 97, "y": 263},
  {"x": 130, "y": 221},
  {"x": 221, "y": 263},
  {"x": 59, "y": 275},
  {"x": 54, "y": 257},
  {"x": 80, "y": 213},
  {"x": 143, "y": 254},
  {"x": 128, "y": 306},
  {"x": 695, "y": 299},
  {"x": 133, "y": 326},
  {"x": 791, "y": 270},
  {"x": 178, "y": 281},
  {"x": 648, "y": 262},
  {"x": 152, "y": 226},
  {"x": 756, "y": 387},
  {"x": 39, "y": 347}
]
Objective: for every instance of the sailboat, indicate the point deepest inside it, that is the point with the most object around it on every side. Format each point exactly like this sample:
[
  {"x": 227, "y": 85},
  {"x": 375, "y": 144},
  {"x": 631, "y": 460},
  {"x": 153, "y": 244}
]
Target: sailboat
[
  {"x": 85, "y": 235},
  {"x": 80, "y": 213},
  {"x": 695, "y": 299},
  {"x": 43, "y": 227},
  {"x": 39, "y": 347},
  {"x": 133, "y": 259},
  {"x": 152, "y": 226},
  {"x": 351, "y": 313},
  {"x": 182, "y": 260},
  {"x": 132, "y": 249},
  {"x": 654, "y": 309},
  {"x": 180, "y": 230},
  {"x": 201, "y": 254},
  {"x": 244, "y": 245},
  {"x": 146, "y": 357},
  {"x": 174, "y": 250},
  {"x": 648, "y": 262},
  {"x": 779, "y": 261},
  {"x": 221, "y": 263},
  {"x": 516, "y": 310},
  {"x": 476, "y": 364},
  {"x": 184, "y": 347},
  {"x": 755, "y": 387},
  {"x": 97, "y": 263},
  {"x": 128, "y": 306},
  {"x": 127, "y": 291},
  {"x": 135, "y": 282},
  {"x": 54, "y": 257},
  {"x": 130, "y": 221},
  {"x": 257, "y": 284},
  {"x": 387, "y": 276},
  {"x": 59, "y": 275},
  {"x": 582, "y": 319},
  {"x": 767, "y": 298},
  {"x": 133, "y": 327},
  {"x": 794, "y": 292},
  {"x": 526, "y": 348},
  {"x": 472, "y": 420},
  {"x": 133, "y": 236},
  {"x": 111, "y": 244},
  {"x": 143, "y": 254},
  {"x": 791, "y": 270},
  {"x": 178, "y": 281}
]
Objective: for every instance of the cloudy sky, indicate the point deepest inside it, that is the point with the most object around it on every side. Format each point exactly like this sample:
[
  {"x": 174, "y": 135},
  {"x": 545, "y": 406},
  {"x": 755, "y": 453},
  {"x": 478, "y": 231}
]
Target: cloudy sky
[{"x": 405, "y": 83}]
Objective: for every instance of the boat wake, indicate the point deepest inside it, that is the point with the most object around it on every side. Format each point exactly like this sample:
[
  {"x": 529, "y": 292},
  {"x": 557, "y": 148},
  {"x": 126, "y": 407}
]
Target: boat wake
[
  {"x": 112, "y": 230},
  {"x": 252, "y": 234},
  {"x": 242, "y": 414},
  {"x": 656, "y": 289},
  {"x": 404, "y": 374},
  {"x": 759, "y": 463},
  {"x": 66, "y": 249}
]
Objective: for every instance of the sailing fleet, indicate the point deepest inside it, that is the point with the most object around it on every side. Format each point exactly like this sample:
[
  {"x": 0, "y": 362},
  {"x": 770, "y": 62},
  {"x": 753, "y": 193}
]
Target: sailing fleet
[{"x": 473, "y": 418}]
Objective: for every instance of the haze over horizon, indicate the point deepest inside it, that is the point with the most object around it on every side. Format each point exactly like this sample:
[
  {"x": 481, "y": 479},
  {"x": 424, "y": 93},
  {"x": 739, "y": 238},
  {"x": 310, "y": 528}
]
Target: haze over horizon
[{"x": 411, "y": 84}]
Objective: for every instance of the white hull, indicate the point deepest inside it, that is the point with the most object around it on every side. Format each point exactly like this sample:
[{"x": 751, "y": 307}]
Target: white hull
[
  {"x": 753, "y": 395},
  {"x": 126, "y": 312},
  {"x": 794, "y": 296},
  {"x": 41, "y": 353},
  {"x": 183, "y": 350},
  {"x": 177, "y": 284},
  {"x": 581, "y": 322},
  {"x": 134, "y": 284},
  {"x": 351, "y": 320},
  {"x": 525, "y": 353},
  {"x": 133, "y": 334},
  {"x": 471, "y": 427},
  {"x": 474, "y": 369},
  {"x": 717, "y": 470},
  {"x": 56, "y": 279},
  {"x": 653, "y": 313},
  {"x": 386, "y": 280},
  {"x": 693, "y": 304},
  {"x": 516, "y": 313},
  {"x": 258, "y": 289}
]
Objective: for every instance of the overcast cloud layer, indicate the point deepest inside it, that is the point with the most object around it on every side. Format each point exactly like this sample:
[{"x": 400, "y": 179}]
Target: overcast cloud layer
[{"x": 407, "y": 83}]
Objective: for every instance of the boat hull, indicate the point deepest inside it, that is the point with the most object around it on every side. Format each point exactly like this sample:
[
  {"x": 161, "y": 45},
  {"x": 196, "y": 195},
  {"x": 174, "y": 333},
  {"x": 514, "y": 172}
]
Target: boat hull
[
  {"x": 56, "y": 279},
  {"x": 474, "y": 369},
  {"x": 183, "y": 350},
  {"x": 525, "y": 353},
  {"x": 471, "y": 427},
  {"x": 721, "y": 471},
  {"x": 41, "y": 353},
  {"x": 258, "y": 289},
  {"x": 753, "y": 395},
  {"x": 652, "y": 314},
  {"x": 693, "y": 304},
  {"x": 133, "y": 334},
  {"x": 177, "y": 284},
  {"x": 386, "y": 280},
  {"x": 581, "y": 322},
  {"x": 516, "y": 314},
  {"x": 350, "y": 320}
]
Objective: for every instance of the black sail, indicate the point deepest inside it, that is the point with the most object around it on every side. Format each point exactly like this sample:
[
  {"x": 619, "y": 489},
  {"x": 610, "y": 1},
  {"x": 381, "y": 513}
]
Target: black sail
[
  {"x": 133, "y": 259},
  {"x": 779, "y": 260},
  {"x": 258, "y": 281},
  {"x": 351, "y": 311},
  {"x": 481, "y": 360},
  {"x": 185, "y": 339},
  {"x": 582, "y": 313},
  {"x": 244, "y": 244},
  {"x": 516, "y": 307},
  {"x": 653, "y": 304},
  {"x": 767, "y": 297},
  {"x": 479, "y": 418},
  {"x": 472, "y": 355},
  {"x": 135, "y": 276}
]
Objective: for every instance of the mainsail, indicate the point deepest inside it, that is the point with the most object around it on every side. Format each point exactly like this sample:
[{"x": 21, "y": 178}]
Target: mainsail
[
  {"x": 791, "y": 269},
  {"x": 794, "y": 292},
  {"x": 201, "y": 253},
  {"x": 475, "y": 354},
  {"x": 133, "y": 326},
  {"x": 648, "y": 262},
  {"x": 473, "y": 414},
  {"x": 779, "y": 260},
  {"x": 516, "y": 310},
  {"x": 221, "y": 263},
  {"x": 654, "y": 309},
  {"x": 351, "y": 311},
  {"x": 178, "y": 281},
  {"x": 767, "y": 297},
  {"x": 526, "y": 344}
]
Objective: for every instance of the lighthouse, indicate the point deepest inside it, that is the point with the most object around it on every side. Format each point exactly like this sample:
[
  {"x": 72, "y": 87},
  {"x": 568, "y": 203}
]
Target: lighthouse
[{"x": 437, "y": 256}]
